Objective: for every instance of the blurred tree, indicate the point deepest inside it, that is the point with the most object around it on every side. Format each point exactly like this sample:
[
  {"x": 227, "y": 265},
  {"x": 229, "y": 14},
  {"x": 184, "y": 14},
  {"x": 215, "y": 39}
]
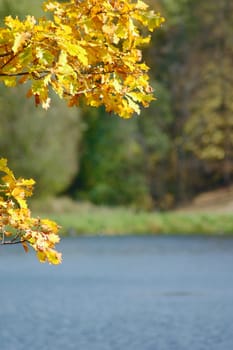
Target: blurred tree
[
  {"x": 192, "y": 54},
  {"x": 39, "y": 144},
  {"x": 209, "y": 128},
  {"x": 155, "y": 139},
  {"x": 112, "y": 165}
]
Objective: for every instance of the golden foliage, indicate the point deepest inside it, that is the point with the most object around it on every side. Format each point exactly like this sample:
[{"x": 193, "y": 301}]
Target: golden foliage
[
  {"x": 16, "y": 223},
  {"x": 89, "y": 52}
]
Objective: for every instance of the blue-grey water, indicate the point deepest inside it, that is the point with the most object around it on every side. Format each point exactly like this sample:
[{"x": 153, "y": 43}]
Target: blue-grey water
[{"x": 120, "y": 293}]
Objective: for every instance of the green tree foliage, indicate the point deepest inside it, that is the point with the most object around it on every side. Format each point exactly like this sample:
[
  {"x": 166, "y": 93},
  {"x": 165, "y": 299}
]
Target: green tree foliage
[
  {"x": 111, "y": 165},
  {"x": 154, "y": 134},
  {"x": 39, "y": 144}
]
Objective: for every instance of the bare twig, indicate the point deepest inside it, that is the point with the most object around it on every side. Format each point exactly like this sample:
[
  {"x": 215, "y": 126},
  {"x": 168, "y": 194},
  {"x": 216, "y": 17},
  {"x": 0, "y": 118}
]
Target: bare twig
[{"x": 12, "y": 242}]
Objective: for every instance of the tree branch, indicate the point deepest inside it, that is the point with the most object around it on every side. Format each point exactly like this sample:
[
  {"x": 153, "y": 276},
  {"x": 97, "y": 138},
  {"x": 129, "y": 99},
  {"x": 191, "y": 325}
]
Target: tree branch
[
  {"x": 21, "y": 74},
  {"x": 12, "y": 242}
]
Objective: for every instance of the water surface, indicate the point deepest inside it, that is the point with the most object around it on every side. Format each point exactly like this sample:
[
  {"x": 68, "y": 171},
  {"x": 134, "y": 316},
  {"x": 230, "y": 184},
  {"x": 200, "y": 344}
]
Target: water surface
[{"x": 120, "y": 293}]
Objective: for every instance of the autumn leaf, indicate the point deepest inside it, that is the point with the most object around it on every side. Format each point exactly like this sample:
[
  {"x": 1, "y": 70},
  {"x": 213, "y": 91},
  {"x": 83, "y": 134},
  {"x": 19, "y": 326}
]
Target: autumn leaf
[
  {"x": 20, "y": 40},
  {"x": 25, "y": 246},
  {"x": 4, "y": 168}
]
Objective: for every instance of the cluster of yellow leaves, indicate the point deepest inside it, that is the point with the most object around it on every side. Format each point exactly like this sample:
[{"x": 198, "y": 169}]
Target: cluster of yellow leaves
[
  {"x": 16, "y": 223},
  {"x": 89, "y": 52}
]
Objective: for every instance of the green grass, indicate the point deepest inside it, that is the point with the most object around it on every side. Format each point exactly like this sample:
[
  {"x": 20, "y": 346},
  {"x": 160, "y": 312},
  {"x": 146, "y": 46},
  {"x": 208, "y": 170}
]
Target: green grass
[{"x": 80, "y": 219}]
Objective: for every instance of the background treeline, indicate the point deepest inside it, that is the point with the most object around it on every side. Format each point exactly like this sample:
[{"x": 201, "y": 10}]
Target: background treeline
[{"x": 180, "y": 146}]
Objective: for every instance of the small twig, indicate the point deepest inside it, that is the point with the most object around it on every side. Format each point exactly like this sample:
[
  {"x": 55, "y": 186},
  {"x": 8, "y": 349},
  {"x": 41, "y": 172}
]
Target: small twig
[
  {"x": 21, "y": 73},
  {"x": 12, "y": 242}
]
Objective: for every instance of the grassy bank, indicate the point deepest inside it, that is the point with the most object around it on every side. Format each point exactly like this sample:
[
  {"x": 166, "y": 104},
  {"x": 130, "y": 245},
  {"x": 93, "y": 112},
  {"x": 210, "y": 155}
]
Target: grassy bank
[{"x": 79, "y": 219}]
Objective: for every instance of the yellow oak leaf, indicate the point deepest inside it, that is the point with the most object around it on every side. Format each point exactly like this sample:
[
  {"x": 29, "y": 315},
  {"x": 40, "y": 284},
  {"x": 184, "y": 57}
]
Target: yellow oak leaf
[{"x": 20, "y": 40}]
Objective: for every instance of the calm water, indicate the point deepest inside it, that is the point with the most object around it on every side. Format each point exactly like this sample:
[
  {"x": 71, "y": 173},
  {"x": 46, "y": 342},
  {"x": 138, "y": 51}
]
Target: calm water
[{"x": 120, "y": 293}]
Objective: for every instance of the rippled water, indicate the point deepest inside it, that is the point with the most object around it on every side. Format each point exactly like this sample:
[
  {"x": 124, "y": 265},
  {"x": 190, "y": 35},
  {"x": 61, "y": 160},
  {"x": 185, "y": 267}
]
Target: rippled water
[{"x": 120, "y": 293}]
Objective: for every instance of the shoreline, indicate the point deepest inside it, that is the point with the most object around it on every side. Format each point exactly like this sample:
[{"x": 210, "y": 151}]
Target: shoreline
[{"x": 120, "y": 223}]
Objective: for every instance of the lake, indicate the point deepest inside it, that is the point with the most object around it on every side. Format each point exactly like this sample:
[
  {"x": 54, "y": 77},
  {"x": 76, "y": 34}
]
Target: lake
[{"x": 120, "y": 293}]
